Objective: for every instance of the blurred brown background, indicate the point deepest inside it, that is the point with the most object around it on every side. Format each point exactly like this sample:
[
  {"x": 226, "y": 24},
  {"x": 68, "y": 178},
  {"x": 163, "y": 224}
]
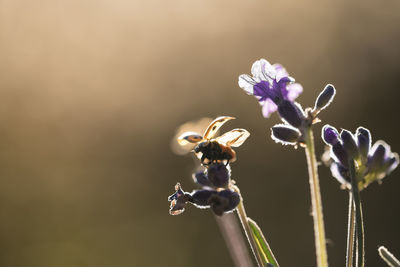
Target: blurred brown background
[{"x": 91, "y": 93}]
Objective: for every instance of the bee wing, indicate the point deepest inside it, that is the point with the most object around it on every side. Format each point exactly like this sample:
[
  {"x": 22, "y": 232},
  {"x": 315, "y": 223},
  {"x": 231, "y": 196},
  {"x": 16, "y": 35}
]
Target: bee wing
[
  {"x": 234, "y": 138},
  {"x": 189, "y": 137},
  {"x": 215, "y": 125},
  {"x": 195, "y": 127}
]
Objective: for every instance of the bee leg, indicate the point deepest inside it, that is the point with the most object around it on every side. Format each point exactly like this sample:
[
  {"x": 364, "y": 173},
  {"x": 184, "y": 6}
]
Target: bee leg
[
  {"x": 227, "y": 163},
  {"x": 202, "y": 159},
  {"x": 205, "y": 161}
]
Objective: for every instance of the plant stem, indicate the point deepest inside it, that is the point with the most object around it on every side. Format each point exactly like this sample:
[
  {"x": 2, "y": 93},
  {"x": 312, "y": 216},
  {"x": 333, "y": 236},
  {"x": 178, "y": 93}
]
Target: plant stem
[
  {"x": 243, "y": 219},
  {"x": 234, "y": 240},
  {"x": 350, "y": 232},
  {"x": 319, "y": 229},
  {"x": 359, "y": 217},
  {"x": 388, "y": 257}
]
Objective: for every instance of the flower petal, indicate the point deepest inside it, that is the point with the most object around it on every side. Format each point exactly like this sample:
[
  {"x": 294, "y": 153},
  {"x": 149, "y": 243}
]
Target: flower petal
[
  {"x": 263, "y": 70},
  {"x": 262, "y": 90},
  {"x": 294, "y": 90},
  {"x": 246, "y": 83},
  {"x": 340, "y": 174},
  {"x": 392, "y": 163},
  {"x": 268, "y": 107},
  {"x": 280, "y": 72}
]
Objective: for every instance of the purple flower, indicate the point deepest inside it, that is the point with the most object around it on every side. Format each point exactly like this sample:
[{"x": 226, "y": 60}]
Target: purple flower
[
  {"x": 220, "y": 201},
  {"x": 217, "y": 175},
  {"x": 372, "y": 164},
  {"x": 270, "y": 84},
  {"x": 214, "y": 194},
  {"x": 330, "y": 135}
]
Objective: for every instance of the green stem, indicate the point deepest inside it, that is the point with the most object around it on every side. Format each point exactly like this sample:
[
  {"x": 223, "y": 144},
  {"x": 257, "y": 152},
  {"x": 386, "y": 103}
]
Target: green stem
[
  {"x": 234, "y": 240},
  {"x": 350, "y": 232},
  {"x": 359, "y": 217},
  {"x": 388, "y": 257},
  {"x": 243, "y": 219},
  {"x": 319, "y": 228}
]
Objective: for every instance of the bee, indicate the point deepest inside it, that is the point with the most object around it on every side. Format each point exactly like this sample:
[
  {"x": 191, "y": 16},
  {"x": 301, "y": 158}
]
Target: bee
[{"x": 215, "y": 150}]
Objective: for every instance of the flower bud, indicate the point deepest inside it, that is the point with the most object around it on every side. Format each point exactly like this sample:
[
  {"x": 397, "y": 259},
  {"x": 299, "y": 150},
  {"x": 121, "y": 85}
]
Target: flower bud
[
  {"x": 201, "y": 178},
  {"x": 285, "y": 134},
  {"x": 330, "y": 135},
  {"x": 378, "y": 157},
  {"x": 201, "y": 197},
  {"x": 291, "y": 113},
  {"x": 218, "y": 174},
  {"x": 341, "y": 154},
  {"x": 325, "y": 97},
  {"x": 349, "y": 144},
  {"x": 224, "y": 201},
  {"x": 381, "y": 162},
  {"x": 364, "y": 142},
  {"x": 391, "y": 163}
]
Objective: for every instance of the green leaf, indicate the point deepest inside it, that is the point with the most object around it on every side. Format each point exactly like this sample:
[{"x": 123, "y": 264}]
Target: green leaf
[{"x": 268, "y": 256}]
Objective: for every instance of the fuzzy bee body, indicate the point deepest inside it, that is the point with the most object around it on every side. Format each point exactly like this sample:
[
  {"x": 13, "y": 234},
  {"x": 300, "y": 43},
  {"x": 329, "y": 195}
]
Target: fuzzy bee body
[{"x": 210, "y": 150}]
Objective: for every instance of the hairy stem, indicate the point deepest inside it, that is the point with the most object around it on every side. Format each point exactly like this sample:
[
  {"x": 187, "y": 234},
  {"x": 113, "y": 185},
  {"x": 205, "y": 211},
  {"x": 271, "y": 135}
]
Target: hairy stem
[
  {"x": 388, "y": 257},
  {"x": 234, "y": 240},
  {"x": 317, "y": 214},
  {"x": 359, "y": 217},
  {"x": 350, "y": 232},
  {"x": 243, "y": 219}
]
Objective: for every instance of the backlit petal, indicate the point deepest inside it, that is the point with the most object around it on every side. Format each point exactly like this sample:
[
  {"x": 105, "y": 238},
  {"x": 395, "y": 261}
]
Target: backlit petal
[
  {"x": 294, "y": 90},
  {"x": 246, "y": 83},
  {"x": 268, "y": 107}
]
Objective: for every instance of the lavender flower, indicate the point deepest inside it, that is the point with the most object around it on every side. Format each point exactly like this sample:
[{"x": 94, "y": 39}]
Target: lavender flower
[
  {"x": 214, "y": 194},
  {"x": 276, "y": 91},
  {"x": 270, "y": 84},
  {"x": 372, "y": 163}
]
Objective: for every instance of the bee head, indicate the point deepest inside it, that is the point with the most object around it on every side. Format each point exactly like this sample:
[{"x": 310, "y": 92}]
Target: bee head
[{"x": 201, "y": 146}]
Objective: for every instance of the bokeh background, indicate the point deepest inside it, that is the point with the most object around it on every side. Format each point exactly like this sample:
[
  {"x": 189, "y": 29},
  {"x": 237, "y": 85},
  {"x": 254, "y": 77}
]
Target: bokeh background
[{"x": 91, "y": 93}]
